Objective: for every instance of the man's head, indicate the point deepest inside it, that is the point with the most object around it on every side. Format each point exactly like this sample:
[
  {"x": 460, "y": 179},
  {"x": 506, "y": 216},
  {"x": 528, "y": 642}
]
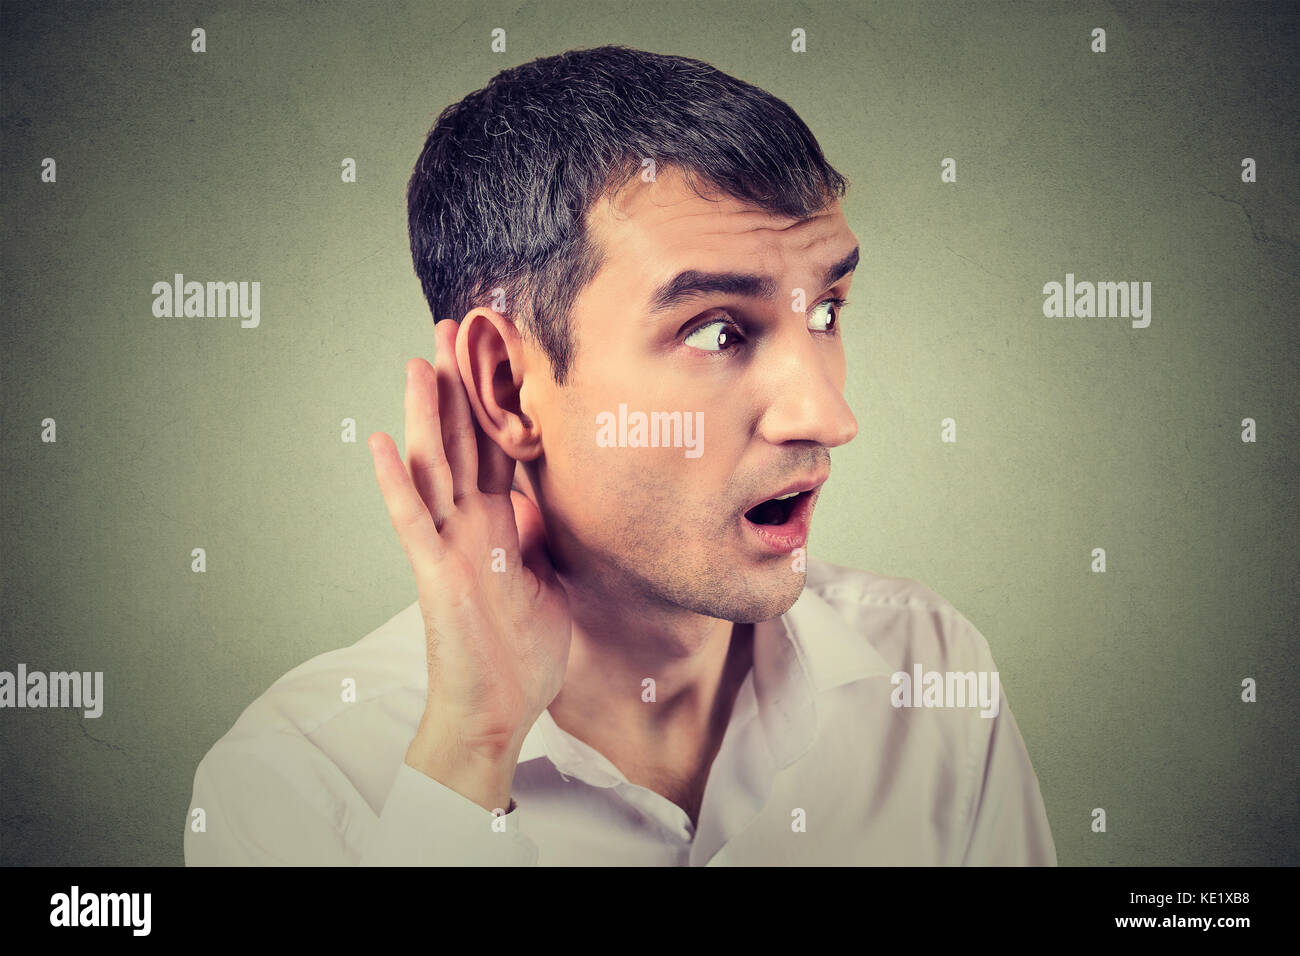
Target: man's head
[{"x": 623, "y": 234}]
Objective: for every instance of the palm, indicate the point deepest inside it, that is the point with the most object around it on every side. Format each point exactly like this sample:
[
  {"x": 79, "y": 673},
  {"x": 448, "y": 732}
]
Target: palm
[
  {"x": 496, "y": 616},
  {"x": 514, "y": 622}
]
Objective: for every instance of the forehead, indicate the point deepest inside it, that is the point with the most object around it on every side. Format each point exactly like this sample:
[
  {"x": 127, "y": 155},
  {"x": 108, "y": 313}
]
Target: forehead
[{"x": 651, "y": 231}]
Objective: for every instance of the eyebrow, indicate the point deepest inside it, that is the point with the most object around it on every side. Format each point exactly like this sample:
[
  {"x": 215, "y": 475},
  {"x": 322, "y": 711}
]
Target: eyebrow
[{"x": 690, "y": 283}]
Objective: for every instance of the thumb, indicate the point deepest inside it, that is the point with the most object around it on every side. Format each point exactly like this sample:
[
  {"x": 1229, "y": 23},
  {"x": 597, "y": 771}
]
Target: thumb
[{"x": 532, "y": 537}]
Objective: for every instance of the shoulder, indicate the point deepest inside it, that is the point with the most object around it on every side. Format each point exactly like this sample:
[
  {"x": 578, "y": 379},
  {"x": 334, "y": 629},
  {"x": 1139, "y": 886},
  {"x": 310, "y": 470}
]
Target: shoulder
[
  {"x": 340, "y": 686},
  {"x": 933, "y": 707},
  {"x": 316, "y": 753},
  {"x": 902, "y": 619}
]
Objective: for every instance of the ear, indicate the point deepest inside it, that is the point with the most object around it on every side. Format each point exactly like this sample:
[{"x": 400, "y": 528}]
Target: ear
[{"x": 490, "y": 356}]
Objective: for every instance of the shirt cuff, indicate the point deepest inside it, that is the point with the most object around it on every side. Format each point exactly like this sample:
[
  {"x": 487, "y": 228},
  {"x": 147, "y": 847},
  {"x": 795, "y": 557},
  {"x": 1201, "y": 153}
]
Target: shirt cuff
[{"x": 425, "y": 823}]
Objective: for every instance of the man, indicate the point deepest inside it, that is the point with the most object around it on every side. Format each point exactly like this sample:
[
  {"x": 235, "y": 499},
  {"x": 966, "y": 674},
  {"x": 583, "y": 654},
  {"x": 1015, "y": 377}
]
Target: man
[{"x": 620, "y": 652}]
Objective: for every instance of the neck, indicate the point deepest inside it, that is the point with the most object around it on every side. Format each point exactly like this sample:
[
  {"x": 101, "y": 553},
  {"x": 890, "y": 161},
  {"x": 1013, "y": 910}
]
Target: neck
[
  {"x": 697, "y": 663},
  {"x": 697, "y": 669}
]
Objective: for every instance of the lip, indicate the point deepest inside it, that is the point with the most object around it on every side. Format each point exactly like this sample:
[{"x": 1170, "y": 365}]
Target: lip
[
  {"x": 783, "y": 539},
  {"x": 810, "y": 483}
]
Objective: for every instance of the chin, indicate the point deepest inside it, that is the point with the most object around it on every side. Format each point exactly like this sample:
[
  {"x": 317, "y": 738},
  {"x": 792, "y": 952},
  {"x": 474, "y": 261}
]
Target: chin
[{"x": 761, "y": 604}]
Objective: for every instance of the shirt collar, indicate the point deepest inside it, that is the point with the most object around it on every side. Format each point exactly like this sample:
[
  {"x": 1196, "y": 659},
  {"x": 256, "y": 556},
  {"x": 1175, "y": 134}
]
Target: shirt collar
[{"x": 804, "y": 652}]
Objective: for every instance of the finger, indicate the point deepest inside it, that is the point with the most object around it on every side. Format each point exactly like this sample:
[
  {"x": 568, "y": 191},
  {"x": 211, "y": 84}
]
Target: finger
[
  {"x": 532, "y": 537},
  {"x": 406, "y": 509},
  {"x": 426, "y": 459},
  {"x": 457, "y": 419}
]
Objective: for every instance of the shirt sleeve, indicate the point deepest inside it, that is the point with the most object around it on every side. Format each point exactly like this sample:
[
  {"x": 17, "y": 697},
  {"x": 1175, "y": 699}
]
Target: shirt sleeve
[
  {"x": 425, "y": 823},
  {"x": 1008, "y": 819},
  {"x": 252, "y": 815}
]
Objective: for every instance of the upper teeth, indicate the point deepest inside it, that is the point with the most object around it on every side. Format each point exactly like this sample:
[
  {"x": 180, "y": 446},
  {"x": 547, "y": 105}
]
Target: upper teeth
[{"x": 783, "y": 497}]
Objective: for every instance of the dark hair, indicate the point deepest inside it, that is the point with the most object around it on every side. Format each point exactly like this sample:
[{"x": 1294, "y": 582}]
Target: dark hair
[{"x": 499, "y": 195}]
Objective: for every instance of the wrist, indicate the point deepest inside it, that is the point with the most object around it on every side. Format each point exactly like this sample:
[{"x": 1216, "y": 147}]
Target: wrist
[{"x": 484, "y": 778}]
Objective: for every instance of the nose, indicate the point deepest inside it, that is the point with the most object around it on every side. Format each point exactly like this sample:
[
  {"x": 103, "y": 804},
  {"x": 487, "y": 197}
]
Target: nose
[{"x": 805, "y": 380}]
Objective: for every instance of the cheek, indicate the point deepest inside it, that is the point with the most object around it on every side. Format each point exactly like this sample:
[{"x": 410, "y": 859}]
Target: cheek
[
  {"x": 587, "y": 481},
  {"x": 647, "y": 490},
  {"x": 839, "y": 364}
]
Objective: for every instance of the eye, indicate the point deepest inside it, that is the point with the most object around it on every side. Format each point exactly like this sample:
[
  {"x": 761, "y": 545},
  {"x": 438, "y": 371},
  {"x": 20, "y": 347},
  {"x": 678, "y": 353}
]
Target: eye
[
  {"x": 832, "y": 320},
  {"x": 715, "y": 336}
]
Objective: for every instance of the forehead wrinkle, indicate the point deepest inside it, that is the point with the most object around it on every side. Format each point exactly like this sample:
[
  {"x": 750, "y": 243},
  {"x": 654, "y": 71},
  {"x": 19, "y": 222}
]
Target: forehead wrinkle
[
  {"x": 690, "y": 283},
  {"x": 641, "y": 214}
]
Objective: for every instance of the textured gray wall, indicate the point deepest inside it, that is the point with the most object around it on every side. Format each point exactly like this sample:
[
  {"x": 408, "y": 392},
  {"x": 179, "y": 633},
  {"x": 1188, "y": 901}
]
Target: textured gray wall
[{"x": 1072, "y": 433}]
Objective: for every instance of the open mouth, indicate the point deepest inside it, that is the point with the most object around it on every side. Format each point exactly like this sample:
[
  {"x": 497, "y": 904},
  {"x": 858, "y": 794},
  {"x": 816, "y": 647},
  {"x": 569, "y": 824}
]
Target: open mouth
[
  {"x": 780, "y": 525},
  {"x": 775, "y": 511}
]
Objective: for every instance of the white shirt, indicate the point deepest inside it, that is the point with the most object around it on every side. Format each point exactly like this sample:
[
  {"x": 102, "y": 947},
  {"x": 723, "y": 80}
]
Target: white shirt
[{"x": 818, "y": 765}]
